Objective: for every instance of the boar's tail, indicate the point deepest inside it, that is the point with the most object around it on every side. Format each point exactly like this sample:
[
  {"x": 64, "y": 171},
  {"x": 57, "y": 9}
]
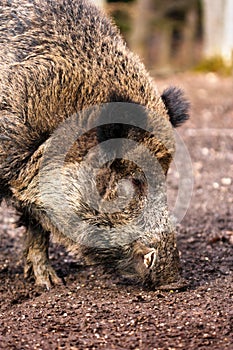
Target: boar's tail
[{"x": 176, "y": 104}]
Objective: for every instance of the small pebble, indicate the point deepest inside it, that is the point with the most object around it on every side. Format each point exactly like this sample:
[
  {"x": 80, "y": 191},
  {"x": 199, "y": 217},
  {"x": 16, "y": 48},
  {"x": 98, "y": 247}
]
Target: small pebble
[
  {"x": 205, "y": 151},
  {"x": 226, "y": 181}
]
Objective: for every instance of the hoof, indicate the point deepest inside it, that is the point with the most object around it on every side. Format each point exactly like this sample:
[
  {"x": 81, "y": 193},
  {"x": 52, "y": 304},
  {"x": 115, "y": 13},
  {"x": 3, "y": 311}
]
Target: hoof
[
  {"x": 45, "y": 275},
  {"x": 48, "y": 278}
]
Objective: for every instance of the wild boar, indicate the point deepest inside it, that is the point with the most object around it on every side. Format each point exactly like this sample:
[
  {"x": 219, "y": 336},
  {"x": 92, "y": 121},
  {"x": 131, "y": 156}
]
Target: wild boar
[{"x": 68, "y": 86}]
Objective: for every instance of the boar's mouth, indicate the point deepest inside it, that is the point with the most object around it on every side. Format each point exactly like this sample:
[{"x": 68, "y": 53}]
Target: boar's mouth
[
  {"x": 166, "y": 273},
  {"x": 155, "y": 268},
  {"x": 166, "y": 278},
  {"x": 163, "y": 273}
]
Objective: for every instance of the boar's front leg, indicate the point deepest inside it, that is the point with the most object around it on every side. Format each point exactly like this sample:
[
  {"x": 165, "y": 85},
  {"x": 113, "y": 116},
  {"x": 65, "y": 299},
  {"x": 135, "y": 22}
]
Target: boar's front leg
[{"x": 37, "y": 259}]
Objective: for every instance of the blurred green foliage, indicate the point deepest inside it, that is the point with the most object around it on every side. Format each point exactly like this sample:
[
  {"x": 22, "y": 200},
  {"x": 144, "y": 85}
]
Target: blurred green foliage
[{"x": 214, "y": 64}]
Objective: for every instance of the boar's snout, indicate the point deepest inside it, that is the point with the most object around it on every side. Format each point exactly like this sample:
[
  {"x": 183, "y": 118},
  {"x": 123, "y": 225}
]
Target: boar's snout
[
  {"x": 166, "y": 271},
  {"x": 155, "y": 265}
]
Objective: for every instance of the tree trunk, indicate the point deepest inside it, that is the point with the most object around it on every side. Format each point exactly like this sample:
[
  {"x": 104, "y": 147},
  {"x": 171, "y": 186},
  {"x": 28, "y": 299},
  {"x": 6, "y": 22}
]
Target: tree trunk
[
  {"x": 218, "y": 29},
  {"x": 187, "y": 54},
  {"x": 227, "y": 47},
  {"x": 141, "y": 28}
]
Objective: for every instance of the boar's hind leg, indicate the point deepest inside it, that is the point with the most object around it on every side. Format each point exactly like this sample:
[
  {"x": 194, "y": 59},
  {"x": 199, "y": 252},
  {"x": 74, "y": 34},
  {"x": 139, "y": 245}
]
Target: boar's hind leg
[{"x": 36, "y": 257}]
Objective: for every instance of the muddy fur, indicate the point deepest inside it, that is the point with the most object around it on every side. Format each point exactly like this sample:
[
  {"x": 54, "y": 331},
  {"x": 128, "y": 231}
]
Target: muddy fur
[{"x": 58, "y": 58}]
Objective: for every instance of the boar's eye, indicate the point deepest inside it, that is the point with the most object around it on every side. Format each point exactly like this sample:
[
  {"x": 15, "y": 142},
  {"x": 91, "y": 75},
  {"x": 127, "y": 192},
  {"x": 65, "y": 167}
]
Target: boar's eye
[{"x": 149, "y": 259}]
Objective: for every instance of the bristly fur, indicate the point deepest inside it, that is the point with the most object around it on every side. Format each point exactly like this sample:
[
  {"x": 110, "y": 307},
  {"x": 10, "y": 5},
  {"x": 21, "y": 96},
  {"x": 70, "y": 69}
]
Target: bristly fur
[
  {"x": 176, "y": 104},
  {"x": 59, "y": 58}
]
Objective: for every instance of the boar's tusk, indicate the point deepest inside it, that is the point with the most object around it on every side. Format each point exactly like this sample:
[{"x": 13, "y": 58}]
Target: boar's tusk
[{"x": 149, "y": 259}]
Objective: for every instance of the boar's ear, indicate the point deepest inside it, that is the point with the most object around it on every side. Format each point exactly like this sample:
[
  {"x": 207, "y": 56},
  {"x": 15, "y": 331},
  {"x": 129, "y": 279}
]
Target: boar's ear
[
  {"x": 149, "y": 259},
  {"x": 176, "y": 104}
]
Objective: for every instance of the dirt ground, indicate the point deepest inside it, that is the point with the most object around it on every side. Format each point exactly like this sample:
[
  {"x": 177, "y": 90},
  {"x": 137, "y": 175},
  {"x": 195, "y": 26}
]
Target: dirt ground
[{"x": 97, "y": 311}]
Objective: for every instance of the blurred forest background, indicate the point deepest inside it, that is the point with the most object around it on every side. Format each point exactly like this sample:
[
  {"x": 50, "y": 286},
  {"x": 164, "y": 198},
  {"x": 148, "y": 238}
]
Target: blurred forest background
[{"x": 176, "y": 35}]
